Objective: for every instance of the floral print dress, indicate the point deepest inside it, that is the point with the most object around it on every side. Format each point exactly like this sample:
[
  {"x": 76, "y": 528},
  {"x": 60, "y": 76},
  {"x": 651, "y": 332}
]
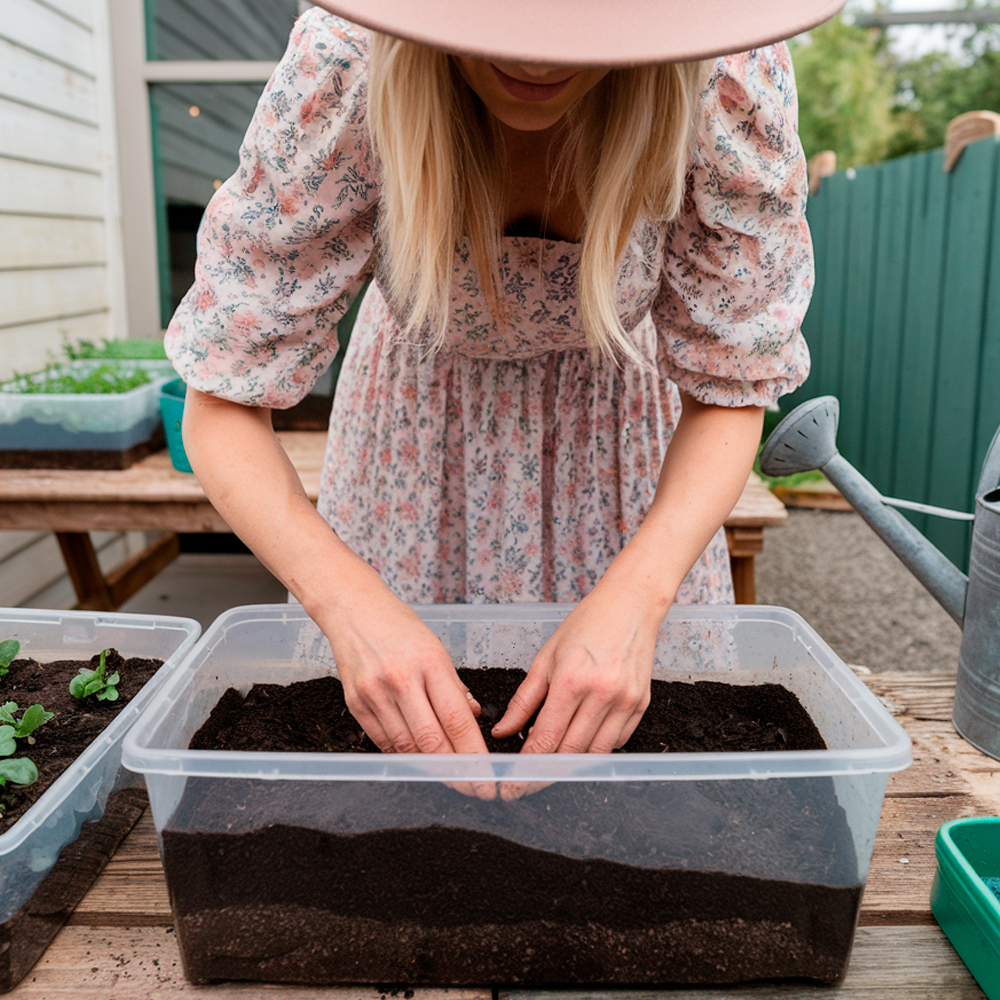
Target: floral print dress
[{"x": 510, "y": 465}]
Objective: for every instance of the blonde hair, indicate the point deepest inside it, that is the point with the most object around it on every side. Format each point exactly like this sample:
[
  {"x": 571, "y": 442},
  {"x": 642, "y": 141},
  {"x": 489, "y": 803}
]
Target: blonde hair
[{"x": 443, "y": 161}]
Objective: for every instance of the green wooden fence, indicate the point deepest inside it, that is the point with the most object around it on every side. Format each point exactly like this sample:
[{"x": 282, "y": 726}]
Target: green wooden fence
[{"x": 904, "y": 327}]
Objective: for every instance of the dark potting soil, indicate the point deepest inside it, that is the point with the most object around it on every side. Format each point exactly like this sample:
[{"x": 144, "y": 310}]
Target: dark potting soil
[
  {"x": 312, "y": 717},
  {"x": 26, "y": 933},
  {"x": 58, "y": 742},
  {"x": 99, "y": 451},
  {"x": 580, "y": 882}
]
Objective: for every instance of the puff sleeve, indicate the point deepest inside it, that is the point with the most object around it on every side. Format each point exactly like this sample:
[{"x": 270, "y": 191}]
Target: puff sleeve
[
  {"x": 285, "y": 243},
  {"x": 738, "y": 266}
]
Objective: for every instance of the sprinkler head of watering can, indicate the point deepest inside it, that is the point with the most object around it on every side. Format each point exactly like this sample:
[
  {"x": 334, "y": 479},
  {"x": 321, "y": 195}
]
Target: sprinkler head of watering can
[{"x": 806, "y": 439}]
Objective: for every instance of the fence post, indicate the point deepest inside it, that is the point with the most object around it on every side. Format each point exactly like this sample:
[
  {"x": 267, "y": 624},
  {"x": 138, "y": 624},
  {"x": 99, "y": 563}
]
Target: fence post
[
  {"x": 970, "y": 127},
  {"x": 819, "y": 166}
]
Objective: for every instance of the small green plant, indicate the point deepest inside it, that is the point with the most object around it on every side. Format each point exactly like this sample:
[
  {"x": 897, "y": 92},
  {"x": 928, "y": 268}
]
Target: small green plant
[
  {"x": 129, "y": 349},
  {"x": 9, "y": 649},
  {"x": 94, "y": 682},
  {"x": 107, "y": 378},
  {"x": 21, "y": 771}
]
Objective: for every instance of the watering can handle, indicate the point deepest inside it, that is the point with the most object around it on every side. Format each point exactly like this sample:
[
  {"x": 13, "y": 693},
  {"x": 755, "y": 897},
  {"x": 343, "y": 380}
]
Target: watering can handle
[{"x": 991, "y": 467}]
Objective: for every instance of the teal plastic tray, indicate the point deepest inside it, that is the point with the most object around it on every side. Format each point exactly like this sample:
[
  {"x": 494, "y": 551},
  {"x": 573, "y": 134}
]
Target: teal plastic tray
[{"x": 968, "y": 850}]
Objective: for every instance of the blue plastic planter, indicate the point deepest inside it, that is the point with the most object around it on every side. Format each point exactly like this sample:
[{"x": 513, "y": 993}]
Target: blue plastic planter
[{"x": 172, "y": 410}]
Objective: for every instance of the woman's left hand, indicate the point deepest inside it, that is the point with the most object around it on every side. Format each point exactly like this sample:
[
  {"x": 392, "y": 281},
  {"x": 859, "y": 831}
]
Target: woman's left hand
[{"x": 591, "y": 678}]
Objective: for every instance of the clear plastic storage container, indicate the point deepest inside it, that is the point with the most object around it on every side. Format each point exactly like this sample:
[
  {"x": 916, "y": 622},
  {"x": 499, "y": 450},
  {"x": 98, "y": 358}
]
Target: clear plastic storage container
[
  {"x": 30, "y": 849},
  {"x": 680, "y": 867},
  {"x": 99, "y": 422}
]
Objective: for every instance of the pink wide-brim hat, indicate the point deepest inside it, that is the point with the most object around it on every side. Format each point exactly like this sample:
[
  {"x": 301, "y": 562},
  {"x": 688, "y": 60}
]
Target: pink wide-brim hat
[{"x": 589, "y": 32}]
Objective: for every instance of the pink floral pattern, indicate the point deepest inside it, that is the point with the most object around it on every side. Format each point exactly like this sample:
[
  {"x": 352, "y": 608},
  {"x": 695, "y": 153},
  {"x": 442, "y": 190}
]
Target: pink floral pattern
[{"x": 510, "y": 465}]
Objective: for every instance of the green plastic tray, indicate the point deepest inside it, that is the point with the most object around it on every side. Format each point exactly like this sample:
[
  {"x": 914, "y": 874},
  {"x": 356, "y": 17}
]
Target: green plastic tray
[{"x": 968, "y": 850}]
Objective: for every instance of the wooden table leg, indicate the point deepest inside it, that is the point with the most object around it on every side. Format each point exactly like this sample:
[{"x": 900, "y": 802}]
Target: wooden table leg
[
  {"x": 97, "y": 592},
  {"x": 744, "y": 544}
]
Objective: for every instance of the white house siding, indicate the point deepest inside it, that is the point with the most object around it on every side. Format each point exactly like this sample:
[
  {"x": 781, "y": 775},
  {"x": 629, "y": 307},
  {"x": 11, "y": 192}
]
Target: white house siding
[{"x": 60, "y": 257}]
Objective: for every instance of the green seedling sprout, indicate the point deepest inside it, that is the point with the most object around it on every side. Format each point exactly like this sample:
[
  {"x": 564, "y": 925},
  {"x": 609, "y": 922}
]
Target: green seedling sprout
[
  {"x": 9, "y": 649},
  {"x": 94, "y": 682},
  {"x": 21, "y": 771}
]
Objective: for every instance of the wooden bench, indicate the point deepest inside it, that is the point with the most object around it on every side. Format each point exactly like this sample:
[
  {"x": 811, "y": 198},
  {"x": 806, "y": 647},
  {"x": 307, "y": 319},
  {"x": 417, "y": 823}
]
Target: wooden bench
[
  {"x": 119, "y": 943},
  {"x": 153, "y": 496}
]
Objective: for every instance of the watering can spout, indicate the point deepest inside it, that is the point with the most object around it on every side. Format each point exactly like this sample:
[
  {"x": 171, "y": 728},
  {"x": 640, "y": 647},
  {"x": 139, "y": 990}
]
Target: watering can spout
[{"x": 807, "y": 439}]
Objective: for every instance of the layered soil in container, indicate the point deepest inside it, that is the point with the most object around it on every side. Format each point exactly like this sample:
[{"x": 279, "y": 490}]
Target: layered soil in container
[
  {"x": 91, "y": 450},
  {"x": 578, "y": 882},
  {"x": 57, "y": 744}
]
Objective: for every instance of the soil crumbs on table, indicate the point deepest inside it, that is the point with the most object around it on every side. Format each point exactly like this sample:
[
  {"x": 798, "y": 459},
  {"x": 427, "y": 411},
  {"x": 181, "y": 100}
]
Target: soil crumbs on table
[
  {"x": 312, "y": 717},
  {"x": 75, "y": 725},
  {"x": 414, "y": 882}
]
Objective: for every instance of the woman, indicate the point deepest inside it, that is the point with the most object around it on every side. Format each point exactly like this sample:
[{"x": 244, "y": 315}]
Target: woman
[{"x": 575, "y": 265}]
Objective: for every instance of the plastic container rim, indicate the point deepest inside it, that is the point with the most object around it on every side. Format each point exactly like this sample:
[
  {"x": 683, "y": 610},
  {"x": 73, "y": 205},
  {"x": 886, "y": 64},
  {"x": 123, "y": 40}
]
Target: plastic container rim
[
  {"x": 953, "y": 863},
  {"x": 63, "y": 786},
  {"x": 157, "y": 370},
  {"x": 894, "y": 755}
]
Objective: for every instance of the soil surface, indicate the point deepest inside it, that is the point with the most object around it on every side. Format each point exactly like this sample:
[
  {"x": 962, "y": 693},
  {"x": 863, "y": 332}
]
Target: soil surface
[
  {"x": 58, "y": 742},
  {"x": 312, "y": 717},
  {"x": 579, "y": 882}
]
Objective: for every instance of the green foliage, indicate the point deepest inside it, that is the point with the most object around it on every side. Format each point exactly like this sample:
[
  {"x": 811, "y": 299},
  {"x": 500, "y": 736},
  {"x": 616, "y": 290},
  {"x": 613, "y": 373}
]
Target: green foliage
[
  {"x": 867, "y": 104},
  {"x": 31, "y": 719},
  {"x": 9, "y": 649},
  {"x": 131, "y": 349},
  {"x": 106, "y": 378},
  {"x": 846, "y": 85},
  {"x": 94, "y": 682},
  {"x": 20, "y": 771}
]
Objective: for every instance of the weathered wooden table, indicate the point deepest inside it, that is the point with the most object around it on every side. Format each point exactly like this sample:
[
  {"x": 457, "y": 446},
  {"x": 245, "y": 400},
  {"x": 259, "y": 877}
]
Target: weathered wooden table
[
  {"x": 153, "y": 496},
  {"x": 119, "y": 944}
]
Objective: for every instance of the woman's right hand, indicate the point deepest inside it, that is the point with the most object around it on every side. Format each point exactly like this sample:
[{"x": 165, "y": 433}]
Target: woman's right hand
[
  {"x": 400, "y": 684},
  {"x": 399, "y": 681}
]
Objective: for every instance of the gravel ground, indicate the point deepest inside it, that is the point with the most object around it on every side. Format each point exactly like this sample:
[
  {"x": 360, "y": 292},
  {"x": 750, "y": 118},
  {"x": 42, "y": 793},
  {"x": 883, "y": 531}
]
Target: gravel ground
[{"x": 840, "y": 576}]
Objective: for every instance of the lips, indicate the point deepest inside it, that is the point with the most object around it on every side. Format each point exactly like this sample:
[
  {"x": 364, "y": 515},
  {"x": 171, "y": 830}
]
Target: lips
[{"x": 536, "y": 92}]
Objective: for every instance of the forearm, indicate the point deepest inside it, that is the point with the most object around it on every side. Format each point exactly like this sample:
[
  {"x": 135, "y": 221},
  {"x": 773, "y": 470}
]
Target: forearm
[
  {"x": 703, "y": 475},
  {"x": 251, "y": 482}
]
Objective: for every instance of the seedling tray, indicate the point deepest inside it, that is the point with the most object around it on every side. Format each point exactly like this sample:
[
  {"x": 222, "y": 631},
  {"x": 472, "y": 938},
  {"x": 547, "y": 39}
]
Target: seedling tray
[
  {"x": 53, "y": 853},
  {"x": 82, "y": 431},
  {"x": 968, "y": 850}
]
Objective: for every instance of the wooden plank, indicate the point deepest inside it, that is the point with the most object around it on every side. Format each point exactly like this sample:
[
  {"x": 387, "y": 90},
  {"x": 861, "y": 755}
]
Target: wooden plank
[
  {"x": 888, "y": 296},
  {"x": 839, "y": 189},
  {"x": 85, "y": 963},
  {"x": 131, "y": 891},
  {"x": 31, "y": 134},
  {"x": 903, "y": 862},
  {"x": 915, "y": 418},
  {"x": 917, "y": 963},
  {"x": 41, "y": 83},
  {"x": 966, "y": 270},
  {"x": 91, "y": 588},
  {"x": 38, "y": 27},
  {"x": 30, "y": 570},
  {"x": 51, "y": 293},
  {"x": 78, "y": 10},
  {"x": 35, "y": 241},
  {"x": 858, "y": 309},
  {"x": 26, "y": 348},
  {"x": 33, "y": 188},
  {"x": 132, "y": 575}
]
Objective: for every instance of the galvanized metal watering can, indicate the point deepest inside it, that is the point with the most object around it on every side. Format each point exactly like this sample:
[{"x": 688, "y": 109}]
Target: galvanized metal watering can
[{"x": 806, "y": 439}]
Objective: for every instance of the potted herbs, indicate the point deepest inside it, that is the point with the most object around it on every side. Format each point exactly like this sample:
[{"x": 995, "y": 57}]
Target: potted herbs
[{"x": 98, "y": 409}]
